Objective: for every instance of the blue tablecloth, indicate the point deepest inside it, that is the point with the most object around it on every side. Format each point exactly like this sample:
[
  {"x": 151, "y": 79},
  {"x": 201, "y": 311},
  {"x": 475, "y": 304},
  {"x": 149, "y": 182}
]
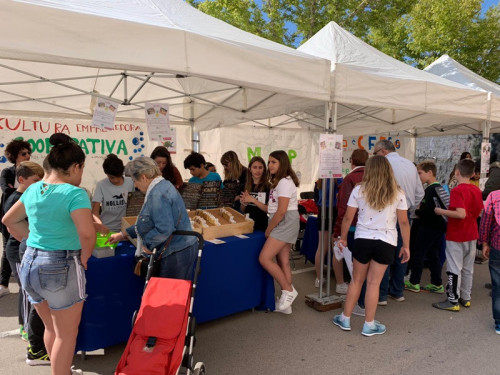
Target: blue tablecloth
[
  {"x": 231, "y": 281},
  {"x": 114, "y": 293},
  {"x": 311, "y": 238}
]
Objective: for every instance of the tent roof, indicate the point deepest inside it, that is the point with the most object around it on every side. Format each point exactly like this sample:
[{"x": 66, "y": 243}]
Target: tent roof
[
  {"x": 378, "y": 94},
  {"x": 54, "y": 53},
  {"x": 448, "y": 68}
]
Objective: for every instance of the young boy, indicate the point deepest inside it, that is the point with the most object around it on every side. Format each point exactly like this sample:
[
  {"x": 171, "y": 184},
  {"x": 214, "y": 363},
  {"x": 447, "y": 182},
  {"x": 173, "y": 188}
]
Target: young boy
[
  {"x": 430, "y": 232},
  {"x": 196, "y": 164},
  {"x": 27, "y": 173},
  {"x": 461, "y": 235}
]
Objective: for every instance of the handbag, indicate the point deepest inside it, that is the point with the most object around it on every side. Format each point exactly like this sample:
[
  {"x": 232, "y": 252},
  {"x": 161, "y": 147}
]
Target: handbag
[{"x": 142, "y": 262}]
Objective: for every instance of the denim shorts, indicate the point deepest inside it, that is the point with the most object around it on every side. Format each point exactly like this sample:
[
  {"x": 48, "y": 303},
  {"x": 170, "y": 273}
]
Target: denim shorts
[{"x": 56, "y": 276}]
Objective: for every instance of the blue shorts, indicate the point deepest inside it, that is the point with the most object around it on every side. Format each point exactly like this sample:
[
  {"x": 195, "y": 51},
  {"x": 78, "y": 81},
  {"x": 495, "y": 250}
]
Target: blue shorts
[{"x": 56, "y": 276}]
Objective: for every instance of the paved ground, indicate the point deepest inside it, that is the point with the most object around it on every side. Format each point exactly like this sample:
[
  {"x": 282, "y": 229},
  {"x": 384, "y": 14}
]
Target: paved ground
[{"x": 419, "y": 340}]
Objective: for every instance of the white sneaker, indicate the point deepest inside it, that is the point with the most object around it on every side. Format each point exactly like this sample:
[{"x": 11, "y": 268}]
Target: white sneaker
[
  {"x": 4, "y": 290},
  {"x": 287, "y": 298},
  {"x": 341, "y": 288},
  {"x": 316, "y": 283},
  {"x": 76, "y": 371},
  {"x": 358, "y": 310},
  {"x": 286, "y": 311}
]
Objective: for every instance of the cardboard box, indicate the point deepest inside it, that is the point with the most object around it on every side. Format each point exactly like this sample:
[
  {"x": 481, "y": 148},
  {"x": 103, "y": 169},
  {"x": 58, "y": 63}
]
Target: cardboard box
[{"x": 127, "y": 221}]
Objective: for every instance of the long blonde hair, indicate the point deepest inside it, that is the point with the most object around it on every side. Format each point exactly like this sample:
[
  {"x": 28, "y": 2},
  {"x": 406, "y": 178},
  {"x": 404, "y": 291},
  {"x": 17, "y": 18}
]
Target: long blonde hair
[
  {"x": 235, "y": 169},
  {"x": 379, "y": 186}
]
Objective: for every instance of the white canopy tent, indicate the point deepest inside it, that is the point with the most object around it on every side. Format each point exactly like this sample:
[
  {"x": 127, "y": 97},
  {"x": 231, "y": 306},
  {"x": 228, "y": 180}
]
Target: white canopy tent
[
  {"x": 376, "y": 94},
  {"x": 56, "y": 54},
  {"x": 448, "y": 68}
]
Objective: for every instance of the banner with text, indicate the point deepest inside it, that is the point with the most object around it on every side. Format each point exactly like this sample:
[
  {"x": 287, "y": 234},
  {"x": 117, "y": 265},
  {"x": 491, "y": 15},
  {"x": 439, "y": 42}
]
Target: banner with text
[{"x": 126, "y": 140}]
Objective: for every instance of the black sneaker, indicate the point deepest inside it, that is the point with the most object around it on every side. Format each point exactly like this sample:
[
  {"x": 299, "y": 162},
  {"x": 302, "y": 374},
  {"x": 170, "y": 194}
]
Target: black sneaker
[{"x": 36, "y": 359}]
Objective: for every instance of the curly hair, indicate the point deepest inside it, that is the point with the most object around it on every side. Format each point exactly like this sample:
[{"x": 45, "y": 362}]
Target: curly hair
[
  {"x": 14, "y": 148},
  {"x": 113, "y": 165}
]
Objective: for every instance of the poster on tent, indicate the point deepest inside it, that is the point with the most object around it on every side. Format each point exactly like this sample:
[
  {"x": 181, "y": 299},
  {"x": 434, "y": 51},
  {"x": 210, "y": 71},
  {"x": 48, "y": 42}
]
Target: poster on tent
[
  {"x": 485, "y": 157},
  {"x": 105, "y": 113},
  {"x": 330, "y": 156},
  {"x": 169, "y": 140},
  {"x": 157, "y": 119},
  {"x": 126, "y": 140}
]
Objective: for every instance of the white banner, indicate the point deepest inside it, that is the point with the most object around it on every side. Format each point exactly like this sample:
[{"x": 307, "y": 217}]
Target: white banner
[
  {"x": 301, "y": 146},
  {"x": 127, "y": 141}
]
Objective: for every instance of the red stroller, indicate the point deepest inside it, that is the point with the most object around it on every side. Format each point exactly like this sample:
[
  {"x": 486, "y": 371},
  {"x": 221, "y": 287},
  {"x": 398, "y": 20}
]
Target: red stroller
[{"x": 162, "y": 339}]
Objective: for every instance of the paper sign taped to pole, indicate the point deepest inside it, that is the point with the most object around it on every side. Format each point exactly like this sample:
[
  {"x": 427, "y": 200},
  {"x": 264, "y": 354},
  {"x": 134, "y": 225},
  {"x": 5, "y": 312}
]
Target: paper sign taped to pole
[{"x": 330, "y": 156}]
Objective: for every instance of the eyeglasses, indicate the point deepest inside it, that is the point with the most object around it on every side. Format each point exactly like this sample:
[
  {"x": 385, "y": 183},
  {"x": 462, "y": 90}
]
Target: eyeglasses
[
  {"x": 24, "y": 153},
  {"x": 375, "y": 152}
]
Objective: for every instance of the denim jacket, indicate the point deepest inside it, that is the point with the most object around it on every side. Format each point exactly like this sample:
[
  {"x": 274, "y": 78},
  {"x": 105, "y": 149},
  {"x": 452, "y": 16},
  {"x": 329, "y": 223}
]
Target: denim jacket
[{"x": 162, "y": 213}]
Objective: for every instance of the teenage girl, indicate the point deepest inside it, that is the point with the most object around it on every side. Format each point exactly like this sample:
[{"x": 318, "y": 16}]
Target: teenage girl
[
  {"x": 256, "y": 195},
  {"x": 61, "y": 238},
  {"x": 380, "y": 204},
  {"x": 283, "y": 227}
]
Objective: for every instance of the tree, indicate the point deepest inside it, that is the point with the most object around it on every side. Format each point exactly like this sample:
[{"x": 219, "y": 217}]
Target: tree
[{"x": 416, "y": 32}]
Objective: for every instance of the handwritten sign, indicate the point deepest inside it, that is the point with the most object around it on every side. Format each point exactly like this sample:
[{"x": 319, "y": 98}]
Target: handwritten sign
[
  {"x": 228, "y": 193},
  {"x": 135, "y": 201},
  {"x": 210, "y": 194},
  {"x": 191, "y": 194},
  {"x": 330, "y": 156}
]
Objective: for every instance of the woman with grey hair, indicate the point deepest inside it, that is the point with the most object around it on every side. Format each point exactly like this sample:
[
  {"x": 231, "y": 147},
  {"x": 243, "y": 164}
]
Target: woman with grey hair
[{"x": 162, "y": 213}]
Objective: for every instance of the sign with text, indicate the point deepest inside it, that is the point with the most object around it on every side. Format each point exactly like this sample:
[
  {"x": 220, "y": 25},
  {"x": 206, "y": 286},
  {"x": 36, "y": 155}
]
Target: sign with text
[
  {"x": 105, "y": 113},
  {"x": 330, "y": 156}
]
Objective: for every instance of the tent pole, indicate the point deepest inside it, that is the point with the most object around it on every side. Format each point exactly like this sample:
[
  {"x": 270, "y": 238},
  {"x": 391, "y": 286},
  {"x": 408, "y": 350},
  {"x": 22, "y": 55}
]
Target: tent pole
[{"x": 335, "y": 118}]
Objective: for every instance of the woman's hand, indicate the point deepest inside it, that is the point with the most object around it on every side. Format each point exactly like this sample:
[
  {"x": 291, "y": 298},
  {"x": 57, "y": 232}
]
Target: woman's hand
[
  {"x": 117, "y": 237},
  {"x": 404, "y": 254},
  {"x": 83, "y": 260},
  {"x": 146, "y": 251},
  {"x": 101, "y": 228},
  {"x": 341, "y": 244},
  {"x": 246, "y": 198},
  {"x": 268, "y": 232}
]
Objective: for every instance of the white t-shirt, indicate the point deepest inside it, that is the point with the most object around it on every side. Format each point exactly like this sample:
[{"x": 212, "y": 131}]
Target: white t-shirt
[
  {"x": 376, "y": 224},
  {"x": 285, "y": 188},
  {"x": 113, "y": 200}
]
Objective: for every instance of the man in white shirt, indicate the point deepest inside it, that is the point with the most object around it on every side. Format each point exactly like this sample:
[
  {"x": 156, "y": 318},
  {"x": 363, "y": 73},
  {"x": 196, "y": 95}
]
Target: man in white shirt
[{"x": 407, "y": 178}]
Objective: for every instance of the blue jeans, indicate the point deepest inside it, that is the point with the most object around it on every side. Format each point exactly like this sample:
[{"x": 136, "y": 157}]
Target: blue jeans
[
  {"x": 55, "y": 276},
  {"x": 393, "y": 282},
  {"x": 494, "y": 266},
  {"x": 179, "y": 265}
]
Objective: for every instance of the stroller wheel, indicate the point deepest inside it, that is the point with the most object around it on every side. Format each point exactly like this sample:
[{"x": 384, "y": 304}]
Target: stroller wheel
[{"x": 199, "y": 369}]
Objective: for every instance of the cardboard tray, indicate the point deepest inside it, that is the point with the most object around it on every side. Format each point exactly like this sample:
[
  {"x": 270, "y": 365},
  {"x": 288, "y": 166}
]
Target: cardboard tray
[{"x": 226, "y": 229}]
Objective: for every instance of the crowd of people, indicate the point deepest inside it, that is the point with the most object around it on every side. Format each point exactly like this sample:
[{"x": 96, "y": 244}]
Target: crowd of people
[{"x": 381, "y": 214}]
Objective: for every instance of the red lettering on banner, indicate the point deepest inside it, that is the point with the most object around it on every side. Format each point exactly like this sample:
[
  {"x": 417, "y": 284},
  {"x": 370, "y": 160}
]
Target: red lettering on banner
[
  {"x": 7, "y": 125},
  {"x": 61, "y": 128}
]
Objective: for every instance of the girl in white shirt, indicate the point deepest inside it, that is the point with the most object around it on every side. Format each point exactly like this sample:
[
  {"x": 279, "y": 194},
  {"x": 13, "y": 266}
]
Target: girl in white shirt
[
  {"x": 283, "y": 227},
  {"x": 380, "y": 204}
]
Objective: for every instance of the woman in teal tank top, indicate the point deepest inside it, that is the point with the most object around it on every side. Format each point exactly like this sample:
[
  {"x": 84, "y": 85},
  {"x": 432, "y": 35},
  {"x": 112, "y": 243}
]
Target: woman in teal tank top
[{"x": 60, "y": 240}]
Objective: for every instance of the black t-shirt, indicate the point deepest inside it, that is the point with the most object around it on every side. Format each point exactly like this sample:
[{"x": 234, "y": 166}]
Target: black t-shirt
[
  {"x": 9, "y": 202},
  {"x": 256, "y": 214}
]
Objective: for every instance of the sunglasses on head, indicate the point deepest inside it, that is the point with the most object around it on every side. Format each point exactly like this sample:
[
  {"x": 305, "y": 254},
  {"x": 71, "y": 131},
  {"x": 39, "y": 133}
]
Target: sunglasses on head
[{"x": 24, "y": 153}]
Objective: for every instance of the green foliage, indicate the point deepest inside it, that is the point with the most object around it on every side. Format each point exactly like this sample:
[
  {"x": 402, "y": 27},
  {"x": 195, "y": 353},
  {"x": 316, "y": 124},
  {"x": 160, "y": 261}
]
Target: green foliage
[{"x": 415, "y": 31}]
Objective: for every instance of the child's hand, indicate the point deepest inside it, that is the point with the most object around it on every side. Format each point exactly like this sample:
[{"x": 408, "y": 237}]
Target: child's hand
[
  {"x": 486, "y": 250},
  {"x": 404, "y": 254},
  {"x": 438, "y": 210},
  {"x": 342, "y": 244}
]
